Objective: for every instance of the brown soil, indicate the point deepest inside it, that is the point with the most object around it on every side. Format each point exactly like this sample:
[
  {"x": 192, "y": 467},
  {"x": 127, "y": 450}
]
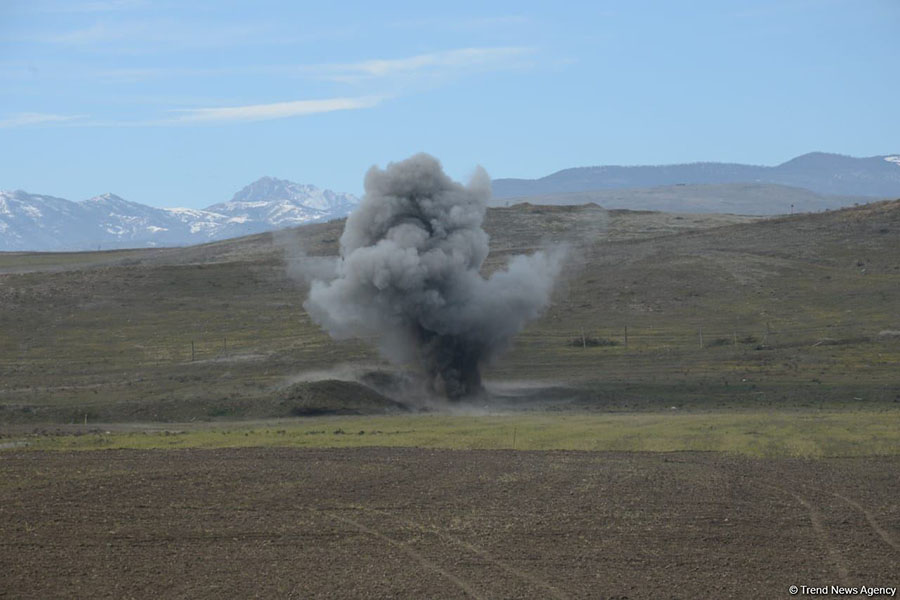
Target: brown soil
[{"x": 412, "y": 523}]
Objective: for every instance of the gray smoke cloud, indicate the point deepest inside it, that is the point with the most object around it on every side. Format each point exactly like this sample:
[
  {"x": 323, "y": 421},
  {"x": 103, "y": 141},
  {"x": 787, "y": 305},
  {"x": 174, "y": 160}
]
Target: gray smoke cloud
[{"x": 409, "y": 277}]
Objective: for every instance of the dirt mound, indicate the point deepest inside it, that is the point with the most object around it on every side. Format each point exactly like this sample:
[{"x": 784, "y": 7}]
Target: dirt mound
[{"x": 335, "y": 397}]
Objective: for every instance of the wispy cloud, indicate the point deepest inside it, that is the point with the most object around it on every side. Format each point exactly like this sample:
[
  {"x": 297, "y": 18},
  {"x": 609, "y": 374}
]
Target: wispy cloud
[
  {"x": 460, "y": 59},
  {"x": 450, "y": 62},
  {"x": 25, "y": 119},
  {"x": 278, "y": 110},
  {"x": 379, "y": 80},
  {"x": 189, "y": 116}
]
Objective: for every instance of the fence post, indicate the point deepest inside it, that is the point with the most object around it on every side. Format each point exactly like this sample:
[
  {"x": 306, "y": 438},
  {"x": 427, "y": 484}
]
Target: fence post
[
  {"x": 192, "y": 350},
  {"x": 701, "y": 337},
  {"x": 626, "y": 336}
]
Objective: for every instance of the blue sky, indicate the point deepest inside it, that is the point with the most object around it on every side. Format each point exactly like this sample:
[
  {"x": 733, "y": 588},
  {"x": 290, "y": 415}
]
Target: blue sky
[{"x": 174, "y": 103}]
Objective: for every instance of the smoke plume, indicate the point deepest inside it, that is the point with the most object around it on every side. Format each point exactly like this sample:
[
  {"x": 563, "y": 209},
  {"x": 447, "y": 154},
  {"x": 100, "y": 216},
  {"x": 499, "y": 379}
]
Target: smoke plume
[{"x": 409, "y": 277}]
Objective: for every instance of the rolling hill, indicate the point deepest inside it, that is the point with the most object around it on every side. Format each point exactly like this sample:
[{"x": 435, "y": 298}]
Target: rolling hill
[{"x": 653, "y": 310}]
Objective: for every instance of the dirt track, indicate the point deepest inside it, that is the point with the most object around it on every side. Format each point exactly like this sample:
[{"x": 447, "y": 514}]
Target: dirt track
[{"x": 409, "y": 523}]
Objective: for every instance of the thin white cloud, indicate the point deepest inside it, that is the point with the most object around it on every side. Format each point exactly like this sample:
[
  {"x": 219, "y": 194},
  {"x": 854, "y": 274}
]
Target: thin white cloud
[
  {"x": 188, "y": 116},
  {"x": 278, "y": 110},
  {"x": 384, "y": 78},
  {"x": 25, "y": 119},
  {"x": 460, "y": 59},
  {"x": 450, "y": 62}
]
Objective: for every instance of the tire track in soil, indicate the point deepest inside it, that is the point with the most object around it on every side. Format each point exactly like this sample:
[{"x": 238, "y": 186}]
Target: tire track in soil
[
  {"x": 553, "y": 591},
  {"x": 409, "y": 551},
  {"x": 834, "y": 553},
  {"x": 884, "y": 535},
  {"x": 836, "y": 558}
]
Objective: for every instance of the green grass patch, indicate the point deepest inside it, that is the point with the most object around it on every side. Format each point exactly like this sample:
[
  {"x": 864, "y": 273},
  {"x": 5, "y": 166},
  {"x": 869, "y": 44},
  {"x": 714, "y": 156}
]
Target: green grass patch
[{"x": 756, "y": 433}]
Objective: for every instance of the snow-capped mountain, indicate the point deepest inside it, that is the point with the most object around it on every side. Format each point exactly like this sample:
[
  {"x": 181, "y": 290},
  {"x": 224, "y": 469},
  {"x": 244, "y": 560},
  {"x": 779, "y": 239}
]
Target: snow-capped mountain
[
  {"x": 41, "y": 223},
  {"x": 283, "y": 203},
  {"x": 30, "y": 221},
  {"x": 271, "y": 203}
]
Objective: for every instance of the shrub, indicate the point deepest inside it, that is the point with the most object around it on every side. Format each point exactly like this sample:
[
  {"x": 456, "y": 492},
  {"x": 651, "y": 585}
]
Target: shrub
[{"x": 592, "y": 342}]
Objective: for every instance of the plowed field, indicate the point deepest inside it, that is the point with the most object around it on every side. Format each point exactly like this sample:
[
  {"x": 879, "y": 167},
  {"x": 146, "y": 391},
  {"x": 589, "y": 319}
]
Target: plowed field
[{"x": 413, "y": 523}]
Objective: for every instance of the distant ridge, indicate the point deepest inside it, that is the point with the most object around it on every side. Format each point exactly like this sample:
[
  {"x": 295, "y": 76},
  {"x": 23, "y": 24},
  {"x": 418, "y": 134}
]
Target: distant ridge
[
  {"x": 823, "y": 173},
  {"x": 733, "y": 198}
]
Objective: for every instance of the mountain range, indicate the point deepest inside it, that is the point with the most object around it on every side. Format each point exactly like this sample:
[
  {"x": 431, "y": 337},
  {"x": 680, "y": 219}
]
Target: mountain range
[
  {"x": 35, "y": 222},
  {"x": 809, "y": 183}
]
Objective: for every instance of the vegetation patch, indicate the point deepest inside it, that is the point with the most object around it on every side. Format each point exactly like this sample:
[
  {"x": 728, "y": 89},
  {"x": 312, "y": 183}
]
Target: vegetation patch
[{"x": 810, "y": 434}]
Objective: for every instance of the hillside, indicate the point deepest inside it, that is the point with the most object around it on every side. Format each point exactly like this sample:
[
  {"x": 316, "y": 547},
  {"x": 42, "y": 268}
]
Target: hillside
[
  {"x": 730, "y": 198},
  {"x": 791, "y": 311}
]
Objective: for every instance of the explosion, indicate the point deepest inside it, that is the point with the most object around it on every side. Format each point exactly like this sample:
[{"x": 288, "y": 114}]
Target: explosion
[{"x": 410, "y": 277}]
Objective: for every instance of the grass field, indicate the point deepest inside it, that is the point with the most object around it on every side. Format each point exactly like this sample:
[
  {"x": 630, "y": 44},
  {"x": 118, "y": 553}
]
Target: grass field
[{"x": 806, "y": 434}]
